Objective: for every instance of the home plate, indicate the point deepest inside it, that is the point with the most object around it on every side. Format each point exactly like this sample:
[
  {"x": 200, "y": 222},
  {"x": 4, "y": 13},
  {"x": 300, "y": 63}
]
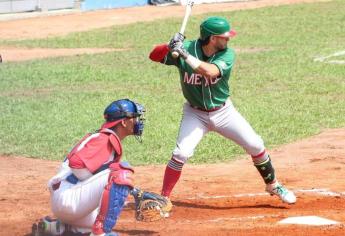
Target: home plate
[{"x": 308, "y": 220}]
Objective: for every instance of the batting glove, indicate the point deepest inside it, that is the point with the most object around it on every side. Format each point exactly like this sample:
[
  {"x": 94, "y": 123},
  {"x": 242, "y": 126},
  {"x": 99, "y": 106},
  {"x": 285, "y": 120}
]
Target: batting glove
[
  {"x": 180, "y": 50},
  {"x": 178, "y": 37}
]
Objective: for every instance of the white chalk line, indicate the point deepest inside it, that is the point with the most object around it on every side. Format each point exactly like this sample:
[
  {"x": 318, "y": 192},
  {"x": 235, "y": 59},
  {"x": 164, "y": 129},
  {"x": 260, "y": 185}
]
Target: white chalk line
[
  {"x": 216, "y": 220},
  {"x": 222, "y": 219},
  {"x": 336, "y": 54},
  {"x": 324, "y": 192},
  {"x": 321, "y": 191}
]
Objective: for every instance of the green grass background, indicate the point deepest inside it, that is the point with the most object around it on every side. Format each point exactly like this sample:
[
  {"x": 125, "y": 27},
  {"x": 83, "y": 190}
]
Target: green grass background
[{"x": 47, "y": 105}]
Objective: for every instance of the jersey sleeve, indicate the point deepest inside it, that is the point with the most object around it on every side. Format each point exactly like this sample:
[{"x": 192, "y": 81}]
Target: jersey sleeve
[
  {"x": 224, "y": 60},
  {"x": 159, "y": 52}
]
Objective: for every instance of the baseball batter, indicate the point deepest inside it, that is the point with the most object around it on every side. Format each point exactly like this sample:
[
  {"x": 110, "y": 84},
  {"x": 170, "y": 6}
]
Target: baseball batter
[
  {"x": 205, "y": 67},
  {"x": 90, "y": 189}
]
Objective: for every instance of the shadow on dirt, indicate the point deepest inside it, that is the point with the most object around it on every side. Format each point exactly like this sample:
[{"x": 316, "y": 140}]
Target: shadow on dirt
[
  {"x": 213, "y": 207},
  {"x": 127, "y": 232},
  {"x": 137, "y": 232}
]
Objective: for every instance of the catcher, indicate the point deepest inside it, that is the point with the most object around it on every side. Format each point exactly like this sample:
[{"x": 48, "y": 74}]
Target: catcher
[{"x": 90, "y": 189}]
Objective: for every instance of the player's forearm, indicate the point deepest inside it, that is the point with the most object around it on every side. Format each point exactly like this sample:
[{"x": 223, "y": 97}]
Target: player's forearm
[{"x": 208, "y": 70}]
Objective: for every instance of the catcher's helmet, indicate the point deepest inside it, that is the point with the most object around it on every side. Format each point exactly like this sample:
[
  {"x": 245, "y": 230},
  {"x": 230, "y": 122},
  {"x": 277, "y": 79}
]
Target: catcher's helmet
[
  {"x": 122, "y": 109},
  {"x": 215, "y": 25}
]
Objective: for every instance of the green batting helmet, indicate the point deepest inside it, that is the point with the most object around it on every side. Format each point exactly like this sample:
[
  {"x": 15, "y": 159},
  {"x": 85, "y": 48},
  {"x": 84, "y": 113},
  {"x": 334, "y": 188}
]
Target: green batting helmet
[{"x": 215, "y": 25}]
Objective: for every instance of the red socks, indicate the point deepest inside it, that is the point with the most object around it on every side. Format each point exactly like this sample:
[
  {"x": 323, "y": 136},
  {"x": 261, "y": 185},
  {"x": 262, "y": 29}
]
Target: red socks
[{"x": 171, "y": 176}]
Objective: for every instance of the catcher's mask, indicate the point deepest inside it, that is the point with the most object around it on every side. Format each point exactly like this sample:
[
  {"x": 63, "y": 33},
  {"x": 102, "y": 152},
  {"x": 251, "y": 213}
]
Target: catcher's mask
[{"x": 122, "y": 109}]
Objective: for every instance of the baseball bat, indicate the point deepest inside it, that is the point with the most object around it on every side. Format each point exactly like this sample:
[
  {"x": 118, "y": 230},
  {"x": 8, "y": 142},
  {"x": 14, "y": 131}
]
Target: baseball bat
[{"x": 184, "y": 22}]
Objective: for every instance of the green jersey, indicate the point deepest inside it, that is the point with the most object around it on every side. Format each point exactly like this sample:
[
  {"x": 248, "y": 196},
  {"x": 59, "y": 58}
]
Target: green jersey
[{"x": 198, "y": 91}]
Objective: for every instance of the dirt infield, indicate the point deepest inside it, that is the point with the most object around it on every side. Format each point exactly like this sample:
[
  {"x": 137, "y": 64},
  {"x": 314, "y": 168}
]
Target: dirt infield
[
  {"x": 217, "y": 199},
  {"x": 24, "y": 54}
]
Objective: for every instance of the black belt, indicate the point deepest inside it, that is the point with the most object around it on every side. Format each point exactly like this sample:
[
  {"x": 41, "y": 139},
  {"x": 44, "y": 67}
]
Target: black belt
[{"x": 208, "y": 110}]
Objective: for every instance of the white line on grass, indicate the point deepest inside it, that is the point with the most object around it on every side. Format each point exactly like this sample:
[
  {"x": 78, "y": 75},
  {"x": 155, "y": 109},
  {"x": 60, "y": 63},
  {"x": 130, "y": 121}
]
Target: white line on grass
[{"x": 336, "y": 54}]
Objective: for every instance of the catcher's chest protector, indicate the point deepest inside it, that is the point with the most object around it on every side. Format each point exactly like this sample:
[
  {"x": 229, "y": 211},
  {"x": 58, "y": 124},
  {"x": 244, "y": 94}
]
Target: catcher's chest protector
[{"x": 95, "y": 150}]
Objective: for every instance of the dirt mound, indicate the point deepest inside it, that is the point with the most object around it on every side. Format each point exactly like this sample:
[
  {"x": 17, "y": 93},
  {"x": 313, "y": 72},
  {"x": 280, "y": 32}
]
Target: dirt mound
[{"x": 212, "y": 199}]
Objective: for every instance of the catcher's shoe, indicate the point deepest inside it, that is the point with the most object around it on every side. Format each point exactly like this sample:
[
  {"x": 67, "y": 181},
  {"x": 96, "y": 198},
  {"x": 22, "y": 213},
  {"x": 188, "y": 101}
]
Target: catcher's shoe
[
  {"x": 48, "y": 226},
  {"x": 283, "y": 193}
]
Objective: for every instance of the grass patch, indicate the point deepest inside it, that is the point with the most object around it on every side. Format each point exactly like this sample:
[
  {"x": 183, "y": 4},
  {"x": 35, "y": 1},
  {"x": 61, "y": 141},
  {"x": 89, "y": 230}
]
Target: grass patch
[{"x": 47, "y": 105}]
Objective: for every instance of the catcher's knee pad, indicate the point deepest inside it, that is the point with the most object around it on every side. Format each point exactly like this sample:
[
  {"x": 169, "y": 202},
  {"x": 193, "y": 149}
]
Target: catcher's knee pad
[{"x": 121, "y": 174}]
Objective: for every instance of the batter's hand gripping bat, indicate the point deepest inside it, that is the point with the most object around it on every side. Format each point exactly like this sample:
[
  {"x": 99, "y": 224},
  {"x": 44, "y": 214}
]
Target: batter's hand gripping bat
[{"x": 184, "y": 23}]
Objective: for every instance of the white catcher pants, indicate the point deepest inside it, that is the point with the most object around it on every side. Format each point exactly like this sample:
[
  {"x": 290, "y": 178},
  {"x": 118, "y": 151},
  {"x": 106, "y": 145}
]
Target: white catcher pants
[
  {"x": 78, "y": 204},
  {"x": 226, "y": 121}
]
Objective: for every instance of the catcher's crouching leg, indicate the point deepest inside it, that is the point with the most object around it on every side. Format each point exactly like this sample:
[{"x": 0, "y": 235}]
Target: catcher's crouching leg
[{"x": 120, "y": 182}]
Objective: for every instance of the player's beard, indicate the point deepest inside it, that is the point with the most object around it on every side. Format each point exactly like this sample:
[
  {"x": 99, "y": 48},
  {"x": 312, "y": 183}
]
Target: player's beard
[{"x": 220, "y": 47}]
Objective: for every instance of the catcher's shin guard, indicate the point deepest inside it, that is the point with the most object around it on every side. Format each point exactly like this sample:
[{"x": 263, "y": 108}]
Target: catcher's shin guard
[
  {"x": 265, "y": 168},
  {"x": 113, "y": 198}
]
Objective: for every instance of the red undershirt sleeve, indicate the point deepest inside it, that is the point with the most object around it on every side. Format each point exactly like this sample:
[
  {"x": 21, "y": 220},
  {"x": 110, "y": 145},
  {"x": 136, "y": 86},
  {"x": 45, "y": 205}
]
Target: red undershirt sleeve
[{"x": 159, "y": 52}]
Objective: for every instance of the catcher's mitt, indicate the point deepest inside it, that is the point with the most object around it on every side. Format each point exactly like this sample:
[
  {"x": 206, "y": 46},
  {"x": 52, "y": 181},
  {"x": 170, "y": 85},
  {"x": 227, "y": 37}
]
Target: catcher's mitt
[{"x": 150, "y": 206}]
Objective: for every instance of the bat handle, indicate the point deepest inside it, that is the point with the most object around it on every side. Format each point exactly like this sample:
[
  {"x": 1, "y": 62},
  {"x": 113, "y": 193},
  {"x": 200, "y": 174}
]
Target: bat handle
[
  {"x": 184, "y": 23},
  {"x": 175, "y": 54}
]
